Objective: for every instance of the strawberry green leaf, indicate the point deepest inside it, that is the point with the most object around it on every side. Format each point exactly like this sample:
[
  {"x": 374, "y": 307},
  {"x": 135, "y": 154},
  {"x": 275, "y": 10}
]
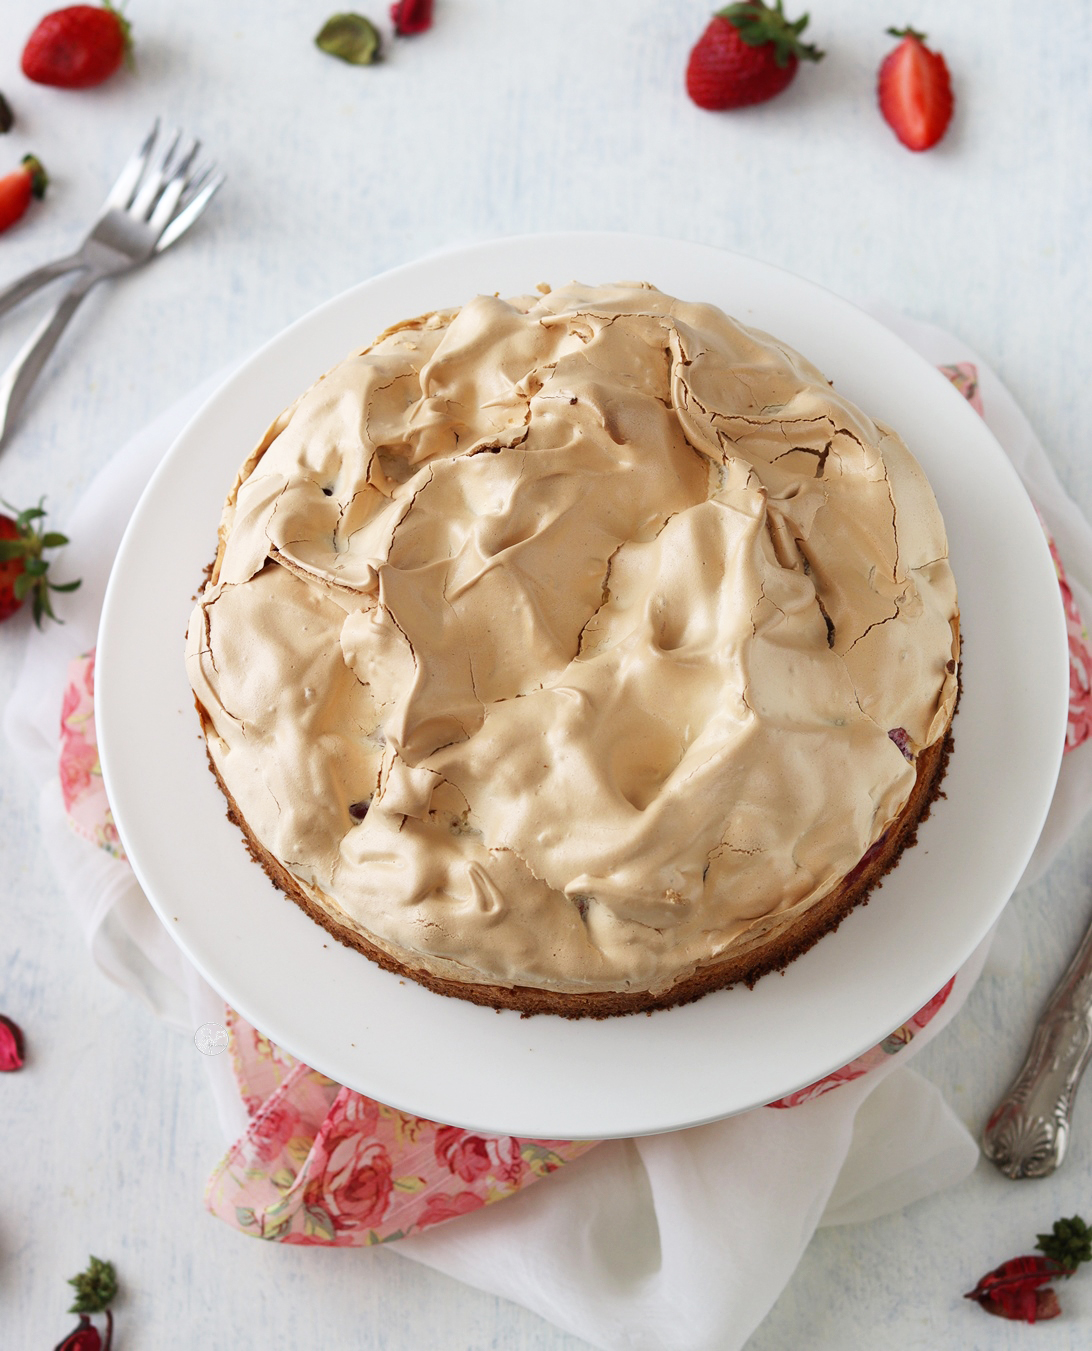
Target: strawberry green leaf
[
  {"x": 1069, "y": 1243},
  {"x": 96, "y": 1288},
  {"x": 39, "y": 179},
  {"x": 28, "y": 549},
  {"x": 760, "y": 25}
]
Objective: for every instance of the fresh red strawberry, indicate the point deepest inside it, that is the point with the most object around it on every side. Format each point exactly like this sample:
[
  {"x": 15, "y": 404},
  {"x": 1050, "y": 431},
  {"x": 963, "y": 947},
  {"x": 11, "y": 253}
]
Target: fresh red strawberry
[
  {"x": 915, "y": 91},
  {"x": 18, "y": 187},
  {"x": 748, "y": 54},
  {"x": 77, "y": 47},
  {"x": 23, "y": 569}
]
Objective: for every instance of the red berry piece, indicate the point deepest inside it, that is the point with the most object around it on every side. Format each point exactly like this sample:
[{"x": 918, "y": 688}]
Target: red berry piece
[
  {"x": 96, "y": 1288},
  {"x": 23, "y": 569},
  {"x": 901, "y": 737},
  {"x": 915, "y": 91},
  {"x": 18, "y": 187},
  {"x": 77, "y": 47},
  {"x": 1019, "y": 1288},
  {"x": 748, "y": 53},
  {"x": 11, "y": 1045},
  {"x": 1015, "y": 1289},
  {"x": 411, "y": 16}
]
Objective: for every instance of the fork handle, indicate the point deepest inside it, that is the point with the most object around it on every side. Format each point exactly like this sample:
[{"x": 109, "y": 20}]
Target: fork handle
[
  {"x": 16, "y": 382},
  {"x": 11, "y": 295},
  {"x": 1028, "y": 1132}
]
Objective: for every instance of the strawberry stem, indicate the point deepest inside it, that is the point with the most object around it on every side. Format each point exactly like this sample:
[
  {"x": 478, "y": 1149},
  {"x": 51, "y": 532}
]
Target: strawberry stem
[
  {"x": 1069, "y": 1243},
  {"x": 39, "y": 180},
  {"x": 759, "y": 25},
  {"x": 907, "y": 32},
  {"x": 126, "y": 32},
  {"x": 96, "y": 1288}
]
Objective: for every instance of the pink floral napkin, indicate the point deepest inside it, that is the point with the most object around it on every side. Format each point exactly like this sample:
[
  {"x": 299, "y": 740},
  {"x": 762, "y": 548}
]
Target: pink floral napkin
[{"x": 322, "y": 1164}]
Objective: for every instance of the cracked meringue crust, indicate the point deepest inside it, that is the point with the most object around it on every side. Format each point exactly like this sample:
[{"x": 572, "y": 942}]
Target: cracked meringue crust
[{"x": 580, "y": 653}]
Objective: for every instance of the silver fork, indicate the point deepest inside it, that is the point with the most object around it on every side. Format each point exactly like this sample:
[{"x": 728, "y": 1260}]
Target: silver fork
[{"x": 147, "y": 209}]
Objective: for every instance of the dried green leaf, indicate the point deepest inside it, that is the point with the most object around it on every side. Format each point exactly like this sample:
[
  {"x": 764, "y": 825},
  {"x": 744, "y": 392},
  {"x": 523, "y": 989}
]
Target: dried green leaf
[{"x": 349, "y": 37}]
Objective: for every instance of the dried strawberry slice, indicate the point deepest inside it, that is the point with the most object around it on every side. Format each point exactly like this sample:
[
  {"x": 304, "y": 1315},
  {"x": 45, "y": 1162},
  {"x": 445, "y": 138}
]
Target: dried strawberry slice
[{"x": 11, "y": 1045}]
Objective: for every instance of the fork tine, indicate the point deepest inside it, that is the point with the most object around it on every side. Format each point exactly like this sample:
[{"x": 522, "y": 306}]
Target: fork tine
[
  {"x": 152, "y": 185},
  {"x": 172, "y": 193},
  {"x": 195, "y": 184},
  {"x": 189, "y": 214},
  {"x": 121, "y": 193}
]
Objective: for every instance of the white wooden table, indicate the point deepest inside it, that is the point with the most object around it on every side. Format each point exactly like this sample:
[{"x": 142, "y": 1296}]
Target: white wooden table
[{"x": 512, "y": 117}]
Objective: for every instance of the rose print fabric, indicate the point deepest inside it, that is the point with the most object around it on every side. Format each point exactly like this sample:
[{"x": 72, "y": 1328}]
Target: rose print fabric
[
  {"x": 81, "y": 777},
  {"x": 964, "y": 375},
  {"x": 902, "y": 1036},
  {"x": 1079, "y": 724},
  {"x": 322, "y": 1164}
]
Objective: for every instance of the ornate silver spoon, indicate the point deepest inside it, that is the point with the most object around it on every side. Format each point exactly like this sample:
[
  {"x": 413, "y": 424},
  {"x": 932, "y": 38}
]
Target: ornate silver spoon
[{"x": 1028, "y": 1132}]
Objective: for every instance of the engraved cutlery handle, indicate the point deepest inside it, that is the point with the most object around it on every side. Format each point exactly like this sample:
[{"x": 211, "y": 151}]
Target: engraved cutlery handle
[{"x": 1028, "y": 1132}]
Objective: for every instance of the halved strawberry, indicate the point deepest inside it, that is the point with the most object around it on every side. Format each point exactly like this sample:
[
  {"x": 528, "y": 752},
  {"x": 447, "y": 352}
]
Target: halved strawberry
[
  {"x": 915, "y": 91},
  {"x": 18, "y": 187}
]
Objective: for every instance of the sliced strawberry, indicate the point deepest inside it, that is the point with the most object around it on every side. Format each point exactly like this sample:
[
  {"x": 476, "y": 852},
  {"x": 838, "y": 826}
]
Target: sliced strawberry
[
  {"x": 18, "y": 187},
  {"x": 915, "y": 91}
]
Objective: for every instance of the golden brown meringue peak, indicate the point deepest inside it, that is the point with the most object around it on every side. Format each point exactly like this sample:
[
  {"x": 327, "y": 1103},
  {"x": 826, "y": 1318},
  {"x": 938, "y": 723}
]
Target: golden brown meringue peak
[{"x": 604, "y": 607}]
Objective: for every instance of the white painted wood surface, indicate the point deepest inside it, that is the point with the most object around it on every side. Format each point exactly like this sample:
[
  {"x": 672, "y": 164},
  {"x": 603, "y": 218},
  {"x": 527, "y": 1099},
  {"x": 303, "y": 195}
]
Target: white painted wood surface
[{"x": 512, "y": 117}]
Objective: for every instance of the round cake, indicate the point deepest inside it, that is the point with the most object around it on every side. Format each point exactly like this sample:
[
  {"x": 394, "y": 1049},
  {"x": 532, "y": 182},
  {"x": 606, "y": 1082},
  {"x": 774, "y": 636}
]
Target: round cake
[{"x": 579, "y": 653}]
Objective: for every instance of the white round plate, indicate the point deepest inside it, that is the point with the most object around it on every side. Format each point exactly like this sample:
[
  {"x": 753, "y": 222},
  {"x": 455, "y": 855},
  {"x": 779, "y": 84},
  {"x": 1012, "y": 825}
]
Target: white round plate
[{"x": 547, "y": 1077}]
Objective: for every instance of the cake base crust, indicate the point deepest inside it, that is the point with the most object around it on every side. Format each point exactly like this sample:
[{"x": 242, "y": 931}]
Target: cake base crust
[{"x": 743, "y": 968}]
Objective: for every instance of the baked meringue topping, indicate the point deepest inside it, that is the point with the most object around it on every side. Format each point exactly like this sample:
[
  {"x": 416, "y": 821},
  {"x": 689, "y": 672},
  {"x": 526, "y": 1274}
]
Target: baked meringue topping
[{"x": 559, "y": 642}]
